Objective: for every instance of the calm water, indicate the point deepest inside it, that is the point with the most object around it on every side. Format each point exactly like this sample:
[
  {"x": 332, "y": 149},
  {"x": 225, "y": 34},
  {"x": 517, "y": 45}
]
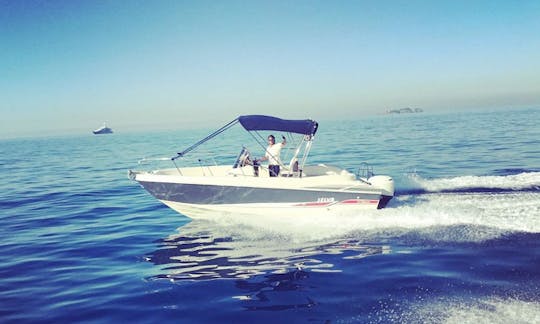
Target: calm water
[{"x": 459, "y": 244}]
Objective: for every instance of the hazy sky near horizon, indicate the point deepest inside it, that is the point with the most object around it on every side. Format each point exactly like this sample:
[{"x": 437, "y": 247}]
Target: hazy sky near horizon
[{"x": 70, "y": 65}]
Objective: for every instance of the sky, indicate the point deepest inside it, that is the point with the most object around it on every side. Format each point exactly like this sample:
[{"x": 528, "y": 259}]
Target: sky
[{"x": 68, "y": 66}]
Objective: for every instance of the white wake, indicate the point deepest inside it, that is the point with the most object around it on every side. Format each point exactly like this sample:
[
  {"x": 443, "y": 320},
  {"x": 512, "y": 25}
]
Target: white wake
[
  {"x": 521, "y": 181},
  {"x": 458, "y": 217},
  {"x": 493, "y": 310}
]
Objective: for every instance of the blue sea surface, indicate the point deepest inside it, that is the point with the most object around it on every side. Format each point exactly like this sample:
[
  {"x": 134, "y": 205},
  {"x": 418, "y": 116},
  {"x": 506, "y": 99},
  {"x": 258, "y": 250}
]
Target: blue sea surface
[{"x": 460, "y": 242}]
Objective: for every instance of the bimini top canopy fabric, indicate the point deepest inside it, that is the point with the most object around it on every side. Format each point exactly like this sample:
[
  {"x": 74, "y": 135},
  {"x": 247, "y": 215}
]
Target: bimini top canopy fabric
[{"x": 261, "y": 122}]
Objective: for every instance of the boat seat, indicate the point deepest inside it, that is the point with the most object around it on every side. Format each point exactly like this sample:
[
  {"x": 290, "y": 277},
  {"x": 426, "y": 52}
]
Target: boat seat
[
  {"x": 292, "y": 170},
  {"x": 293, "y": 165}
]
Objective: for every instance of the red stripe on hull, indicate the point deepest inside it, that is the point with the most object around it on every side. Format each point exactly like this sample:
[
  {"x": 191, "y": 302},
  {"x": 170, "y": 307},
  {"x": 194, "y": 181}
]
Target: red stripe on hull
[
  {"x": 358, "y": 201},
  {"x": 313, "y": 204},
  {"x": 344, "y": 202}
]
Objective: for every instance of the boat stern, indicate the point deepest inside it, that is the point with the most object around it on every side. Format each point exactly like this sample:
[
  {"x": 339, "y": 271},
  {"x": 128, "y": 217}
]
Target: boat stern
[{"x": 386, "y": 184}]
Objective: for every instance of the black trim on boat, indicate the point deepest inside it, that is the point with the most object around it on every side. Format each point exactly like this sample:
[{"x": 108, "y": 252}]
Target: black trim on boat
[{"x": 384, "y": 200}]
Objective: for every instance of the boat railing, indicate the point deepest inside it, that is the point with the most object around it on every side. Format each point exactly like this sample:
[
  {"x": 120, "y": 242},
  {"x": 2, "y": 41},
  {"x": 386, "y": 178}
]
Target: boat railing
[
  {"x": 155, "y": 161},
  {"x": 205, "y": 161},
  {"x": 364, "y": 172},
  {"x": 152, "y": 160}
]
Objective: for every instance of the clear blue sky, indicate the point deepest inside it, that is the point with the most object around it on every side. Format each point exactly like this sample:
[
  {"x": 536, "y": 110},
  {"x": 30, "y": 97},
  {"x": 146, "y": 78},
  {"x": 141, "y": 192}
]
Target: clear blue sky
[{"x": 70, "y": 65}]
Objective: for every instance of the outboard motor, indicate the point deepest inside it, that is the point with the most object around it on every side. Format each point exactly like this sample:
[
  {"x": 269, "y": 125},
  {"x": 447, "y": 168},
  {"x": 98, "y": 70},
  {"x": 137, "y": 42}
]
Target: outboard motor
[{"x": 385, "y": 183}]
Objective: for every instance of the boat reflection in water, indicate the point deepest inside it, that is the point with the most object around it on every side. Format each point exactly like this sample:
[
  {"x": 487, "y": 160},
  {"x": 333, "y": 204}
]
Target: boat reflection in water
[{"x": 266, "y": 266}]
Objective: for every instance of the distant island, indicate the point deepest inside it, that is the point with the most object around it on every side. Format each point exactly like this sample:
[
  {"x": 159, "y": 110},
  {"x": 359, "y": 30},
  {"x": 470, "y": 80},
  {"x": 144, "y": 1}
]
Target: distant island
[{"x": 404, "y": 111}]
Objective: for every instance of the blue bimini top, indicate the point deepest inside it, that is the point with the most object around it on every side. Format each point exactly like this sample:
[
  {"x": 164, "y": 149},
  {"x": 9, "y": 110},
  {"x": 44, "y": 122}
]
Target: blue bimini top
[{"x": 261, "y": 122}]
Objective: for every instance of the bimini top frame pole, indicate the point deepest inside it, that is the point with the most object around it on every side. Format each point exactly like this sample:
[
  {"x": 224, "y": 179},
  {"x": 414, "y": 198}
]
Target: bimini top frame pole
[
  {"x": 260, "y": 122},
  {"x": 206, "y": 139}
]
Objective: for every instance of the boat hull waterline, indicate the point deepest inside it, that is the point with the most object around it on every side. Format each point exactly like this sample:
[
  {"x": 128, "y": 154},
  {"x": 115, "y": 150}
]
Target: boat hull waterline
[{"x": 273, "y": 210}]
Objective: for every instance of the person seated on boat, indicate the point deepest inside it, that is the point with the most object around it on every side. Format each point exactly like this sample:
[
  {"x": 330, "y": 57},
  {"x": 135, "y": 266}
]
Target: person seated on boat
[{"x": 272, "y": 154}]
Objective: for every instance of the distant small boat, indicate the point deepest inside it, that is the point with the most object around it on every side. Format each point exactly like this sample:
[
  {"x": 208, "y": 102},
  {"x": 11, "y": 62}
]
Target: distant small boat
[{"x": 103, "y": 130}]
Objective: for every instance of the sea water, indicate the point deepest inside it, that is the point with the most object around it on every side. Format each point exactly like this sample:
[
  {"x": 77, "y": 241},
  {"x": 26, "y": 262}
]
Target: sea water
[{"x": 460, "y": 242}]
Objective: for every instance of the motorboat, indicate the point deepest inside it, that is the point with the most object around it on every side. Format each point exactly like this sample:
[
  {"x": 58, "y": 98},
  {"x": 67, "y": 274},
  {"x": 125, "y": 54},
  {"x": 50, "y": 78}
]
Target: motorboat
[
  {"x": 245, "y": 185},
  {"x": 103, "y": 130}
]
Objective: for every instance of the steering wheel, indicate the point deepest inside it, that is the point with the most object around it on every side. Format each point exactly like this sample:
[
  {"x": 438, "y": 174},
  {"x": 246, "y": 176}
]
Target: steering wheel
[{"x": 244, "y": 159}]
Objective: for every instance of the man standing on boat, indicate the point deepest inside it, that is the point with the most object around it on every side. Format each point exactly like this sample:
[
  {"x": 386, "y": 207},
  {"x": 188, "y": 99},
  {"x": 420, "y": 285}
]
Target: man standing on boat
[{"x": 272, "y": 154}]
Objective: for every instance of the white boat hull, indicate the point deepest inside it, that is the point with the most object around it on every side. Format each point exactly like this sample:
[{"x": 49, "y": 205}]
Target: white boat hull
[
  {"x": 248, "y": 187},
  {"x": 275, "y": 210},
  {"x": 202, "y": 196}
]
